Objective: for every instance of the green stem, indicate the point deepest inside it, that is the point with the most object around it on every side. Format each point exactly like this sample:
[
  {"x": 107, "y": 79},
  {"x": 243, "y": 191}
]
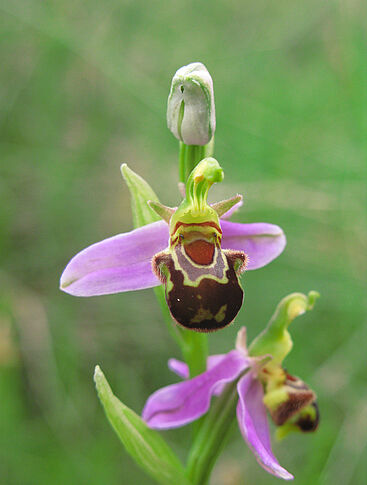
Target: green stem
[
  {"x": 211, "y": 436},
  {"x": 190, "y": 156},
  {"x": 195, "y": 351},
  {"x": 182, "y": 166}
]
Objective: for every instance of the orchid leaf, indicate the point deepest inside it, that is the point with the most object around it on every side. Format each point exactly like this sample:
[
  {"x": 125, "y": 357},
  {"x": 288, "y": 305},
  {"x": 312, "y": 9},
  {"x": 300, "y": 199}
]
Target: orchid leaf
[{"x": 143, "y": 444}]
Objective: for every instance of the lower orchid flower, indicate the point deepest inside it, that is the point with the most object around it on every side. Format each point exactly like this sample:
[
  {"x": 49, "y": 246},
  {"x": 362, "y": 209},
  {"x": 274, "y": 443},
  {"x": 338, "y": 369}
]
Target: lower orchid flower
[
  {"x": 201, "y": 266},
  {"x": 262, "y": 384}
]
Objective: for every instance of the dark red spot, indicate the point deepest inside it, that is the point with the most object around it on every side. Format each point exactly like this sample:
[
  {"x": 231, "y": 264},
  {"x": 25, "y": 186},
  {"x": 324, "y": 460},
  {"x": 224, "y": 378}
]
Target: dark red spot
[{"x": 201, "y": 252}]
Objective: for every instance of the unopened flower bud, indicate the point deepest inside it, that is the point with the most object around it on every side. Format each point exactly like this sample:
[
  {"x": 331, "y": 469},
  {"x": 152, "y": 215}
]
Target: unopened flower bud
[{"x": 190, "y": 109}]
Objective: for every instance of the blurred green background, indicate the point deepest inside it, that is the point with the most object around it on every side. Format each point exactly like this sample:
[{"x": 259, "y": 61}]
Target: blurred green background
[{"x": 83, "y": 88}]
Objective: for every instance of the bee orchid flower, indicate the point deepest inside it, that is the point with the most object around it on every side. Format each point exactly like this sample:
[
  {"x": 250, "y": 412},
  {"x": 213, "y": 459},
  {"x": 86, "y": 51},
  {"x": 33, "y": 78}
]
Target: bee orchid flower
[
  {"x": 179, "y": 404},
  {"x": 200, "y": 268},
  {"x": 262, "y": 383}
]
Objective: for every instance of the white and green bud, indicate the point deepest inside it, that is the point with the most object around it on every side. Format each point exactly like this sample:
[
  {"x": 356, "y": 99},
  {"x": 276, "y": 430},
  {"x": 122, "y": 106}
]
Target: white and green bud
[{"x": 190, "y": 108}]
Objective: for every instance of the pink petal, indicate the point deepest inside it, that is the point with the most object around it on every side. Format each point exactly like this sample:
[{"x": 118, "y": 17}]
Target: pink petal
[
  {"x": 262, "y": 242},
  {"x": 119, "y": 263},
  {"x": 179, "y": 368},
  {"x": 253, "y": 423},
  {"x": 182, "y": 369},
  {"x": 123, "y": 262},
  {"x": 179, "y": 404}
]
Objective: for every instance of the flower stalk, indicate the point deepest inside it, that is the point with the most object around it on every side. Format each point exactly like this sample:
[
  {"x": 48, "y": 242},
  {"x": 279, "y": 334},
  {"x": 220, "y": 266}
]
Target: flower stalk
[
  {"x": 190, "y": 156},
  {"x": 211, "y": 436},
  {"x": 195, "y": 351}
]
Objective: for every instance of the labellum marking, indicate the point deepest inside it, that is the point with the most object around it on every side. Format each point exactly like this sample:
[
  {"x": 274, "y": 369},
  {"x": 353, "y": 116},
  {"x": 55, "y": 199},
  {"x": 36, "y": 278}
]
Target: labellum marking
[
  {"x": 200, "y": 251},
  {"x": 309, "y": 421},
  {"x": 288, "y": 399},
  {"x": 202, "y": 297},
  {"x": 201, "y": 224},
  {"x": 194, "y": 273}
]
